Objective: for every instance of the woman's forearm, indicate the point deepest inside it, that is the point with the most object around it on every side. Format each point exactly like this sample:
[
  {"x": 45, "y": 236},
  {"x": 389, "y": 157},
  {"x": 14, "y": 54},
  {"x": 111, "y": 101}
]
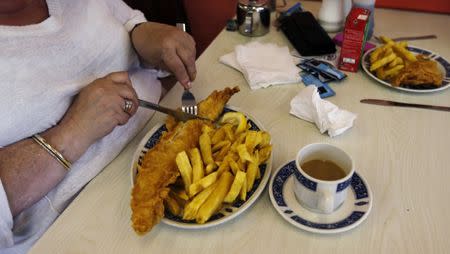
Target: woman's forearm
[{"x": 28, "y": 172}]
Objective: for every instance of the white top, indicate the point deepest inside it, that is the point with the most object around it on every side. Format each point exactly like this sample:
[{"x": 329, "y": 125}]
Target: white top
[
  {"x": 42, "y": 67},
  {"x": 401, "y": 153}
]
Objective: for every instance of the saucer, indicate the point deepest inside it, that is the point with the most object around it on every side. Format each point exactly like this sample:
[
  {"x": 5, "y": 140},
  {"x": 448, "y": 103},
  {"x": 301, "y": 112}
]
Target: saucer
[{"x": 350, "y": 214}]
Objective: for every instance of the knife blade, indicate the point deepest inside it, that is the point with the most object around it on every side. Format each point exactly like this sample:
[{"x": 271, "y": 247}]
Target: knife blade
[
  {"x": 413, "y": 38},
  {"x": 410, "y": 38},
  {"x": 403, "y": 104},
  {"x": 178, "y": 114}
]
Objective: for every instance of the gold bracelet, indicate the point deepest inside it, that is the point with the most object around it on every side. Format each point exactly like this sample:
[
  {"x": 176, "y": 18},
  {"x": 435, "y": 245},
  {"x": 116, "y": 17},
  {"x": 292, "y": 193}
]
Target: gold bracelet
[{"x": 52, "y": 151}]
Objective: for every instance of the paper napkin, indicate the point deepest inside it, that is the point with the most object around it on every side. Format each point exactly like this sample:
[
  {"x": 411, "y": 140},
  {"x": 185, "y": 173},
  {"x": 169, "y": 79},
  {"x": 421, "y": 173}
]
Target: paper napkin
[
  {"x": 263, "y": 65},
  {"x": 308, "y": 106}
]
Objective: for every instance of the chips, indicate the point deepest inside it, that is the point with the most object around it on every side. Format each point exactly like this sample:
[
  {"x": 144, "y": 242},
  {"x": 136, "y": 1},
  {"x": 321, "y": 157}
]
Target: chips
[
  {"x": 223, "y": 169},
  {"x": 388, "y": 60}
]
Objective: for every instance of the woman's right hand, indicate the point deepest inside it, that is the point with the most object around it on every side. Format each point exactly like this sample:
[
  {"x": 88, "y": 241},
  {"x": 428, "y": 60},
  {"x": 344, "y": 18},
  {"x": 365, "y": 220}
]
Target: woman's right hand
[{"x": 99, "y": 108}]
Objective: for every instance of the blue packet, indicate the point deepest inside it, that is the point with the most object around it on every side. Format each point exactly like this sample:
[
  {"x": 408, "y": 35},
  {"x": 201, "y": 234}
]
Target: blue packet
[
  {"x": 323, "y": 89},
  {"x": 321, "y": 76},
  {"x": 324, "y": 68},
  {"x": 297, "y": 7}
]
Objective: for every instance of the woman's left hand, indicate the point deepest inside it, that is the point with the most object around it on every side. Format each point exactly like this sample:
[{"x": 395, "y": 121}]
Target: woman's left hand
[{"x": 168, "y": 48}]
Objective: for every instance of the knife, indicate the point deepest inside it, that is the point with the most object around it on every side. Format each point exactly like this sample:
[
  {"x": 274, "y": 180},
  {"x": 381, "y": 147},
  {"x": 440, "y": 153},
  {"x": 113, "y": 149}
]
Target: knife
[
  {"x": 403, "y": 104},
  {"x": 410, "y": 38},
  {"x": 178, "y": 114}
]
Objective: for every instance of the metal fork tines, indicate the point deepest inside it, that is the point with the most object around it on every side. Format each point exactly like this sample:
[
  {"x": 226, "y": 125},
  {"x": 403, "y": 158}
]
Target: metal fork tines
[
  {"x": 178, "y": 115},
  {"x": 188, "y": 103}
]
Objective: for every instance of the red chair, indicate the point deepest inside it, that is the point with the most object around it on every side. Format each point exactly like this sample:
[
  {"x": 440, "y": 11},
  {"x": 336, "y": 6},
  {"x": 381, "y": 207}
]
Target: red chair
[
  {"x": 440, "y": 6},
  {"x": 207, "y": 18}
]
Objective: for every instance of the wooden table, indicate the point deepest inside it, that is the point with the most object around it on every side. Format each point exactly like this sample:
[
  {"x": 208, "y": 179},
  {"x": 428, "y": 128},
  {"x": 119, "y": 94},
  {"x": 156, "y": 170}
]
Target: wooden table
[{"x": 403, "y": 153}]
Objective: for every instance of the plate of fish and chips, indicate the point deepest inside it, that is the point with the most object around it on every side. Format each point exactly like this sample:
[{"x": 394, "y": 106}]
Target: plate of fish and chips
[
  {"x": 407, "y": 68},
  {"x": 217, "y": 178}
]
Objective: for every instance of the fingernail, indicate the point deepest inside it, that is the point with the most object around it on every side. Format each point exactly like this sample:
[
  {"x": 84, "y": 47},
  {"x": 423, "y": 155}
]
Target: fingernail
[{"x": 189, "y": 84}]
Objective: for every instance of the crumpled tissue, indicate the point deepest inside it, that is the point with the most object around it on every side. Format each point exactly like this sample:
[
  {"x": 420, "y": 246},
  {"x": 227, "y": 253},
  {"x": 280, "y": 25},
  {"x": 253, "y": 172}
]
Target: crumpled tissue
[
  {"x": 308, "y": 106},
  {"x": 263, "y": 65}
]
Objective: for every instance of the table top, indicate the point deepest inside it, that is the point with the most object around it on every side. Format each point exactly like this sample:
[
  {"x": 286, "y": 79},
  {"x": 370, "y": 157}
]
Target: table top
[{"x": 403, "y": 154}]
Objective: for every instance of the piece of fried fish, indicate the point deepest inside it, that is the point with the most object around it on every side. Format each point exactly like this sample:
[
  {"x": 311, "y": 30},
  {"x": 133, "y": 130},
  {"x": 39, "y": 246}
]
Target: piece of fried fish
[
  {"x": 159, "y": 170},
  {"x": 209, "y": 108},
  {"x": 422, "y": 72}
]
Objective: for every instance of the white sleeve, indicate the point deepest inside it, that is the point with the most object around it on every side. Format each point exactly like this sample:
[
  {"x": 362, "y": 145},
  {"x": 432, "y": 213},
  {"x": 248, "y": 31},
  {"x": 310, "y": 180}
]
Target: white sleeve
[
  {"x": 6, "y": 221},
  {"x": 127, "y": 16}
]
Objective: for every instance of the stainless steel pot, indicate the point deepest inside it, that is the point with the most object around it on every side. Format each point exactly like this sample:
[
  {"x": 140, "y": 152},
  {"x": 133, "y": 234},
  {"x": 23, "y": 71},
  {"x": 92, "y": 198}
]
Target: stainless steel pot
[{"x": 253, "y": 17}]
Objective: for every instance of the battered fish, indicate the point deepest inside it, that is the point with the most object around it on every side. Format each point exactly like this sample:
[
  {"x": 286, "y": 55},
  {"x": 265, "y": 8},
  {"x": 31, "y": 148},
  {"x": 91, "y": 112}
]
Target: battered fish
[
  {"x": 211, "y": 107},
  {"x": 159, "y": 169},
  {"x": 422, "y": 72}
]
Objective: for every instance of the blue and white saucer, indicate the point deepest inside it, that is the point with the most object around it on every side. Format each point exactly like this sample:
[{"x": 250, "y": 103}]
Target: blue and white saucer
[{"x": 350, "y": 214}]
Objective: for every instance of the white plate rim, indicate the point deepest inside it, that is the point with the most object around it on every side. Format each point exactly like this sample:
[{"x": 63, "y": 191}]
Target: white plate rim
[
  {"x": 247, "y": 204},
  {"x": 434, "y": 56},
  {"x": 318, "y": 230}
]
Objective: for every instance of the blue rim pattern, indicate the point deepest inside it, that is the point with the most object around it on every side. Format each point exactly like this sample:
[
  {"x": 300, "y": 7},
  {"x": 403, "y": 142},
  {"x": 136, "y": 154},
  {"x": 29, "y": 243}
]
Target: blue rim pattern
[
  {"x": 344, "y": 185},
  {"x": 444, "y": 63},
  {"x": 154, "y": 139},
  {"x": 357, "y": 184},
  {"x": 313, "y": 185},
  {"x": 303, "y": 180}
]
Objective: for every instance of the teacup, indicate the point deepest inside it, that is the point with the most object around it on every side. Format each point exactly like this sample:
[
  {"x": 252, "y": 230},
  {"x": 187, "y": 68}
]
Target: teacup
[{"x": 315, "y": 191}]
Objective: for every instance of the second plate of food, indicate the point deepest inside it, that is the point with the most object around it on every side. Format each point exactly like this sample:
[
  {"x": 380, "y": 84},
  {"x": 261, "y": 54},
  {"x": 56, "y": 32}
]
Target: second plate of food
[
  {"x": 443, "y": 66},
  {"x": 228, "y": 210}
]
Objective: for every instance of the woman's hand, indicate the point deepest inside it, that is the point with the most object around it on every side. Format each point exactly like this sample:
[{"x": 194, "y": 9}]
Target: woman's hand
[
  {"x": 166, "y": 47},
  {"x": 99, "y": 108},
  {"x": 95, "y": 112}
]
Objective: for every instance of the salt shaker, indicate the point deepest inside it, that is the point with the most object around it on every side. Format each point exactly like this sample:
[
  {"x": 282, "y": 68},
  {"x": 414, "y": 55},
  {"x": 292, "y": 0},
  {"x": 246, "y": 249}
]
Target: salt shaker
[{"x": 331, "y": 16}]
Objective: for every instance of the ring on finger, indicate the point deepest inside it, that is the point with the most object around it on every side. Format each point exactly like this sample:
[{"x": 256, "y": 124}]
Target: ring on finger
[{"x": 127, "y": 106}]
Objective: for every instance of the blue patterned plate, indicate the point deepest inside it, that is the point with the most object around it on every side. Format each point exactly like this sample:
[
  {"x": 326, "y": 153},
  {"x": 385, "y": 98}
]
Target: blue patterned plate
[
  {"x": 443, "y": 65},
  {"x": 350, "y": 214},
  {"x": 229, "y": 211}
]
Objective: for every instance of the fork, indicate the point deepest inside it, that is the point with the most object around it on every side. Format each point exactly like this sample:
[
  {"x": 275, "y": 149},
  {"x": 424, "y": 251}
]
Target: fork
[{"x": 188, "y": 103}]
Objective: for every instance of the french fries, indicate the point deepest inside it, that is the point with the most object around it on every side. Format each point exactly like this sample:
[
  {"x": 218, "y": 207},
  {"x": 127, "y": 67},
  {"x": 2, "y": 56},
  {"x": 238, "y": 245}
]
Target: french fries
[
  {"x": 197, "y": 165},
  {"x": 185, "y": 168},
  {"x": 214, "y": 201},
  {"x": 388, "y": 60},
  {"x": 172, "y": 205},
  {"x": 202, "y": 183},
  {"x": 191, "y": 209},
  {"x": 223, "y": 169},
  {"x": 383, "y": 61},
  {"x": 236, "y": 187},
  {"x": 205, "y": 148}
]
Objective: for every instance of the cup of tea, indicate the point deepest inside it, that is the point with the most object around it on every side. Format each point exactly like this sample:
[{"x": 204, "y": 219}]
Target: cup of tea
[{"x": 324, "y": 173}]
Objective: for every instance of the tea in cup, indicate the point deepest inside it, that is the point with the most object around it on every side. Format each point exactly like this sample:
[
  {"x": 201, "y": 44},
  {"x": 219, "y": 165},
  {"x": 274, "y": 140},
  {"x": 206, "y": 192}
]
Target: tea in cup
[{"x": 322, "y": 178}]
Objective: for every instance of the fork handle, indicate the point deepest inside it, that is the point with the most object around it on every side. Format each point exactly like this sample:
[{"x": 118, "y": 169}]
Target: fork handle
[{"x": 155, "y": 106}]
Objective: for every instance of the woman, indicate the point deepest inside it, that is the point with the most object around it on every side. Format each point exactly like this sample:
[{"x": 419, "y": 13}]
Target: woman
[{"x": 70, "y": 79}]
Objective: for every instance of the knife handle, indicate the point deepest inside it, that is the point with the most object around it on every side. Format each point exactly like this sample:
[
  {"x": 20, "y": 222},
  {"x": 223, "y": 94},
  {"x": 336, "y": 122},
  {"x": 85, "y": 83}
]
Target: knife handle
[
  {"x": 403, "y": 104},
  {"x": 154, "y": 106}
]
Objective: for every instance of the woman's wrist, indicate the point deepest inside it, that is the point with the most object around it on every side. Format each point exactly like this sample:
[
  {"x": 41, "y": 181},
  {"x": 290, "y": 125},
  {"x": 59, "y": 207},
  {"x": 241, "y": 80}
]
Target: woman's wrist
[
  {"x": 150, "y": 56},
  {"x": 65, "y": 139}
]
